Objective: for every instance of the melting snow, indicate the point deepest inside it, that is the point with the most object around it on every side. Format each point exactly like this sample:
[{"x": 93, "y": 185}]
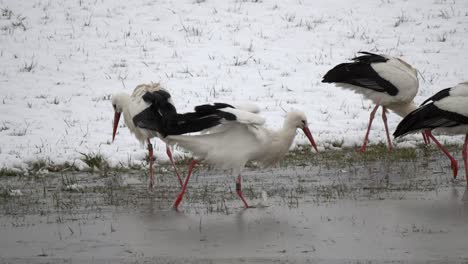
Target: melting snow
[{"x": 61, "y": 60}]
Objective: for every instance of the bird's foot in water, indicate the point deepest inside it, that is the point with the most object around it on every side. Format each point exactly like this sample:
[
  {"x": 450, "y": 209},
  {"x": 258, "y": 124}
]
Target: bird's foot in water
[
  {"x": 454, "y": 166},
  {"x": 361, "y": 149}
]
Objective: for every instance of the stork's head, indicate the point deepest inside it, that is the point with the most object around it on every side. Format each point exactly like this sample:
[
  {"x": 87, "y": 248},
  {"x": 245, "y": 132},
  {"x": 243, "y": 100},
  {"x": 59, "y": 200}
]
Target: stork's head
[
  {"x": 298, "y": 119},
  {"x": 119, "y": 103}
]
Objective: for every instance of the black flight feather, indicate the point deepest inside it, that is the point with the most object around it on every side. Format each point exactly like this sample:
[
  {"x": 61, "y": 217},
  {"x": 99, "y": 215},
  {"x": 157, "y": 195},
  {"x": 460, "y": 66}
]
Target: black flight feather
[
  {"x": 439, "y": 95},
  {"x": 360, "y": 73}
]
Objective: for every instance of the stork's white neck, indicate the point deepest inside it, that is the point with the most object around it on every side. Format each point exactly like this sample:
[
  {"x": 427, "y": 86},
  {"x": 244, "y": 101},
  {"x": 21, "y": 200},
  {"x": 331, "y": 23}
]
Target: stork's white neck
[
  {"x": 286, "y": 136},
  {"x": 280, "y": 143},
  {"x": 123, "y": 105},
  {"x": 288, "y": 133},
  {"x": 403, "y": 109}
]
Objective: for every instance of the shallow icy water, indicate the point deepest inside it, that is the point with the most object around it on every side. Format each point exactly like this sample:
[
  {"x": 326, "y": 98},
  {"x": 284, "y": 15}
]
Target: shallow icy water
[{"x": 371, "y": 212}]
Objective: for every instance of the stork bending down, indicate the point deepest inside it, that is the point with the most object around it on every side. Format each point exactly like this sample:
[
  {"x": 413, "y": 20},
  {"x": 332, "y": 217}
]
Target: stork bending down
[
  {"x": 142, "y": 111},
  {"x": 388, "y": 81},
  {"x": 445, "y": 112}
]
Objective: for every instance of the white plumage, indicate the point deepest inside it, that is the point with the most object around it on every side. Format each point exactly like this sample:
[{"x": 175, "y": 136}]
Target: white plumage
[
  {"x": 234, "y": 143},
  {"x": 404, "y": 77},
  {"x": 456, "y": 102}
]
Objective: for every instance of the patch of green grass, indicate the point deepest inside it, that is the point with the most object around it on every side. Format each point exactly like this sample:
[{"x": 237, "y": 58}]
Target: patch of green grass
[
  {"x": 4, "y": 193},
  {"x": 8, "y": 172},
  {"x": 95, "y": 161},
  {"x": 183, "y": 161},
  {"x": 303, "y": 155},
  {"x": 38, "y": 165},
  {"x": 381, "y": 152},
  {"x": 300, "y": 156},
  {"x": 47, "y": 165}
]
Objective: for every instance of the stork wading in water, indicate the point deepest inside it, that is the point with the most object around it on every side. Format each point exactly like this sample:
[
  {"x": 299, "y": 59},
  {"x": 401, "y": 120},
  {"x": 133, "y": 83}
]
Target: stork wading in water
[
  {"x": 142, "y": 111},
  {"x": 446, "y": 112},
  {"x": 387, "y": 81},
  {"x": 239, "y": 137}
]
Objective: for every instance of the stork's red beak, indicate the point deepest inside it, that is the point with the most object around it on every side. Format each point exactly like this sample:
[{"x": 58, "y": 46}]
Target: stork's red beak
[
  {"x": 311, "y": 139},
  {"x": 116, "y": 124}
]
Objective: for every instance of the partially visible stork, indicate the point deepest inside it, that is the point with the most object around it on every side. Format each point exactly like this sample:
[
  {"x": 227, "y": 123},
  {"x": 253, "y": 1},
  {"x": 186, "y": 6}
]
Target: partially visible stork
[
  {"x": 388, "y": 81},
  {"x": 240, "y": 136},
  {"x": 142, "y": 112},
  {"x": 445, "y": 112}
]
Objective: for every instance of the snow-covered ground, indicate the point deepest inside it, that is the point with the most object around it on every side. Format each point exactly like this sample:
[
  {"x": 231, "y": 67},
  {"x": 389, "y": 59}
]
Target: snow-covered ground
[{"x": 61, "y": 60}]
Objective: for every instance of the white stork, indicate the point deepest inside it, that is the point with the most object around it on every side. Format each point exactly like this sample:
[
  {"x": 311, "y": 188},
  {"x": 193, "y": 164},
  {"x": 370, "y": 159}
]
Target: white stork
[
  {"x": 239, "y": 137},
  {"x": 137, "y": 112},
  {"x": 388, "y": 81},
  {"x": 446, "y": 112}
]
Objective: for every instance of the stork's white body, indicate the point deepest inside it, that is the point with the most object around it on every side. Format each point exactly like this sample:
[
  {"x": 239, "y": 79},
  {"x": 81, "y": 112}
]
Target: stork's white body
[
  {"x": 233, "y": 144},
  {"x": 133, "y": 105},
  {"x": 402, "y": 76}
]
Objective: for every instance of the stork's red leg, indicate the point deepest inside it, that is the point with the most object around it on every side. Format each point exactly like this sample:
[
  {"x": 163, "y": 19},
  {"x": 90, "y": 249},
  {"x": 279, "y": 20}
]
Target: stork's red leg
[
  {"x": 150, "y": 154},
  {"x": 384, "y": 118},
  {"x": 169, "y": 154},
  {"x": 453, "y": 162},
  {"x": 426, "y": 138},
  {"x": 371, "y": 118},
  {"x": 239, "y": 190},
  {"x": 184, "y": 187},
  {"x": 465, "y": 157}
]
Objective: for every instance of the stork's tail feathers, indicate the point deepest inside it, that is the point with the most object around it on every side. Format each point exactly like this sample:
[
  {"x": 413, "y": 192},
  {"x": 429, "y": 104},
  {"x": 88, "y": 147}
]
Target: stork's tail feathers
[
  {"x": 191, "y": 125},
  {"x": 207, "y": 110}
]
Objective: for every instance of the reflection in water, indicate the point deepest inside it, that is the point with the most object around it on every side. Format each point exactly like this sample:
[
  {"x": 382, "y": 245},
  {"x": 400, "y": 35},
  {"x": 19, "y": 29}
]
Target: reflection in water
[
  {"x": 325, "y": 230},
  {"x": 465, "y": 196},
  {"x": 375, "y": 211}
]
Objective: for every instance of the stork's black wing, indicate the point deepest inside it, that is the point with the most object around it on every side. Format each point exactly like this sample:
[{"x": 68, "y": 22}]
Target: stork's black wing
[
  {"x": 360, "y": 73},
  {"x": 428, "y": 117},
  {"x": 163, "y": 118},
  {"x": 439, "y": 95}
]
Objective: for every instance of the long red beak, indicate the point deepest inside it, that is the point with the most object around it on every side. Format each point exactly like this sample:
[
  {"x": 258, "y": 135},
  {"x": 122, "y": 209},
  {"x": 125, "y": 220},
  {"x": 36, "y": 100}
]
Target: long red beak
[
  {"x": 116, "y": 124},
  {"x": 310, "y": 137}
]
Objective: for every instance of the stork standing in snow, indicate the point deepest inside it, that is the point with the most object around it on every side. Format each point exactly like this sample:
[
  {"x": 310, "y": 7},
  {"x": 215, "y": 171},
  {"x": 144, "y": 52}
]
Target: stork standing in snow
[
  {"x": 445, "y": 112},
  {"x": 388, "y": 81},
  {"x": 239, "y": 137},
  {"x": 142, "y": 112}
]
